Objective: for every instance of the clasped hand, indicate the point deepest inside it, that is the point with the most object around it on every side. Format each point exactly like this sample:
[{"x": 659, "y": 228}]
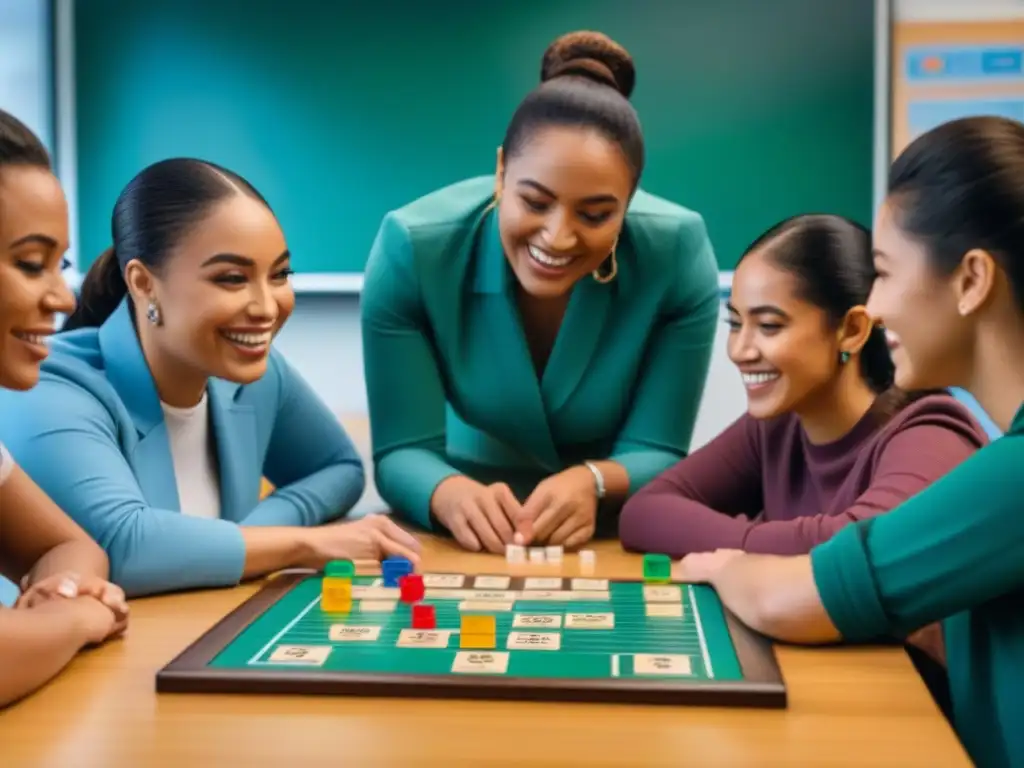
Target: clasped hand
[
  {"x": 562, "y": 510},
  {"x": 68, "y": 585}
]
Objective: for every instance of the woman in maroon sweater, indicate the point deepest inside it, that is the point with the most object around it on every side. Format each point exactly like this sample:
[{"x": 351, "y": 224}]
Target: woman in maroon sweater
[{"x": 827, "y": 440}]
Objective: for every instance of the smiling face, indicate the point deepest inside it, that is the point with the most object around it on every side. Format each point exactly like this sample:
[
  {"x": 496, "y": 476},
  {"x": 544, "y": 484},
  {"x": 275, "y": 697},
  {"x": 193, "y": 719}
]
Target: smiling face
[
  {"x": 223, "y": 293},
  {"x": 33, "y": 240},
  {"x": 784, "y": 347},
  {"x": 918, "y": 307},
  {"x": 563, "y": 199}
]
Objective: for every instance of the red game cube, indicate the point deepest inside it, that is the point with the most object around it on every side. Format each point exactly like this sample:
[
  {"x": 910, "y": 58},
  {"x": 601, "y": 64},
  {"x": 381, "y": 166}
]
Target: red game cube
[
  {"x": 411, "y": 587},
  {"x": 423, "y": 617}
]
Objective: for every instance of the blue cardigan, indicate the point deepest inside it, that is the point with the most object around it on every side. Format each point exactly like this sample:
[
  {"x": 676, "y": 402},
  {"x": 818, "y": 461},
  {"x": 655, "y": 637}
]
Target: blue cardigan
[{"x": 92, "y": 435}]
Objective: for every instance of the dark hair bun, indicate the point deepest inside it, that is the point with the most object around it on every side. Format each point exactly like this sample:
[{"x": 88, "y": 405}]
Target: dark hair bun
[{"x": 592, "y": 55}]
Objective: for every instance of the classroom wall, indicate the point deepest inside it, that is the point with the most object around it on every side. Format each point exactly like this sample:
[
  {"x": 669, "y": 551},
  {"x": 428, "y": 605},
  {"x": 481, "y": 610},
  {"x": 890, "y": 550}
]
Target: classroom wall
[{"x": 340, "y": 112}]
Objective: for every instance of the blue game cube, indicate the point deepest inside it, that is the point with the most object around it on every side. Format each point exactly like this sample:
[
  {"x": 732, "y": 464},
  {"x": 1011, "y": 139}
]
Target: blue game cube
[{"x": 394, "y": 568}]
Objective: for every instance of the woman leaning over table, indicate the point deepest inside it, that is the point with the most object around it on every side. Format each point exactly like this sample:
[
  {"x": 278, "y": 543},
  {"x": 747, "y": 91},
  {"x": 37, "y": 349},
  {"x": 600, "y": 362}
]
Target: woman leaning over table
[
  {"x": 163, "y": 402},
  {"x": 66, "y": 601},
  {"x": 536, "y": 342},
  {"x": 950, "y": 291}
]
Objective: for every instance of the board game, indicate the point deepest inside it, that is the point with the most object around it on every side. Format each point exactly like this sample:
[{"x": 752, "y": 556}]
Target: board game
[{"x": 544, "y": 638}]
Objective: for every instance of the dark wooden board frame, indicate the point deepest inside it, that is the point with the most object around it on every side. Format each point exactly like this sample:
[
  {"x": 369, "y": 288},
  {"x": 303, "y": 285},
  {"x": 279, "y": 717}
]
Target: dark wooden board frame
[{"x": 762, "y": 685}]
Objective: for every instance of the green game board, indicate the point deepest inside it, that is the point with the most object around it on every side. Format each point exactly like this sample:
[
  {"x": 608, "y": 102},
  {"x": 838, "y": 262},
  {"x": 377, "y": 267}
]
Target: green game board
[{"x": 569, "y": 638}]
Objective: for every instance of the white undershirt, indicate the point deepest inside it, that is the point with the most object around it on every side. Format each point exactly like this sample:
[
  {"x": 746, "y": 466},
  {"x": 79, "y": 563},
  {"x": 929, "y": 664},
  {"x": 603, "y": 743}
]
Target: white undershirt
[
  {"x": 195, "y": 466},
  {"x": 6, "y": 464}
]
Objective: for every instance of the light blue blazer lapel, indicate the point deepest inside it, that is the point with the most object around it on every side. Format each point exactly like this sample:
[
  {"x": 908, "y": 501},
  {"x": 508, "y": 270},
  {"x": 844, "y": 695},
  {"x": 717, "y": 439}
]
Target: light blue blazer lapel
[
  {"x": 234, "y": 431},
  {"x": 497, "y": 340},
  {"x": 128, "y": 372}
]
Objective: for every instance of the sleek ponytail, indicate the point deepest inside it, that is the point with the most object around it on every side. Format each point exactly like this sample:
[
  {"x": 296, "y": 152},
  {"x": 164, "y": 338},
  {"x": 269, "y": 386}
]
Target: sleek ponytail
[
  {"x": 152, "y": 214},
  {"x": 103, "y": 288}
]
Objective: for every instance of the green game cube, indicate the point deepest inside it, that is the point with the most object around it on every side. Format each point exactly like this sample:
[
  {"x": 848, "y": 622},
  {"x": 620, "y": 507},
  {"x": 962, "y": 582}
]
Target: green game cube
[
  {"x": 341, "y": 568},
  {"x": 657, "y": 568}
]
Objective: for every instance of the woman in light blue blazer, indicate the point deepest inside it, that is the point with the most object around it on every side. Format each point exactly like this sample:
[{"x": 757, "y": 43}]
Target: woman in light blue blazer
[{"x": 164, "y": 403}]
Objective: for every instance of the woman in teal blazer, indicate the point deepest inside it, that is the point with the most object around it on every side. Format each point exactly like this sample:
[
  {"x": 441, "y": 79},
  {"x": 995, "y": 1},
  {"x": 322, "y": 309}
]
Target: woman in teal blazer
[
  {"x": 163, "y": 404},
  {"x": 536, "y": 343}
]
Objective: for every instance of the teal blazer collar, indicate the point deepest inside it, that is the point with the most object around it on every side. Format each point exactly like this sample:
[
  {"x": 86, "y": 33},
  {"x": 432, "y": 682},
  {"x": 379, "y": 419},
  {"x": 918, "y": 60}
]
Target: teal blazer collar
[
  {"x": 493, "y": 274},
  {"x": 527, "y": 400},
  {"x": 233, "y": 422}
]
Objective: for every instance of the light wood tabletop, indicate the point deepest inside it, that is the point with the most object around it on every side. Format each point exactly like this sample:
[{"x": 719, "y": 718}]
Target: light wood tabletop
[{"x": 847, "y": 706}]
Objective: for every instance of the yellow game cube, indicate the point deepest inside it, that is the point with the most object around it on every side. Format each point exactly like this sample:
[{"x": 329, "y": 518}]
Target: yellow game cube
[
  {"x": 479, "y": 625},
  {"x": 337, "y": 594},
  {"x": 477, "y": 641}
]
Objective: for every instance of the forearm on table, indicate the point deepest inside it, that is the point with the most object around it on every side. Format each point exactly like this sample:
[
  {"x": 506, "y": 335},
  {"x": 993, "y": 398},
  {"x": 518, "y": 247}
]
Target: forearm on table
[
  {"x": 274, "y": 549},
  {"x": 801, "y": 534},
  {"x": 776, "y": 596},
  {"x": 670, "y": 524},
  {"x": 35, "y": 646},
  {"x": 82, "y": 556}
]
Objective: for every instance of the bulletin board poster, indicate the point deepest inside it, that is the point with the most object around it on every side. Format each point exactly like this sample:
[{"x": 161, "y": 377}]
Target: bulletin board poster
[{"x": 944, "y": 70}]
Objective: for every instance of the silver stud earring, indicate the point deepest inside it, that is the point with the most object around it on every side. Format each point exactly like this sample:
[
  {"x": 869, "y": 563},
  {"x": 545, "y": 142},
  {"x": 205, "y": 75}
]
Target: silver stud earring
[
  {"x": 844, "y": 357},
  {"x": 153, "y": 313}
]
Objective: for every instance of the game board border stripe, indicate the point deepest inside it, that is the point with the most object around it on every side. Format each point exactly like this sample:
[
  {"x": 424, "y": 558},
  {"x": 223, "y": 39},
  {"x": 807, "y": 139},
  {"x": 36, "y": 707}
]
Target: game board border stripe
[{"x": 763, "y": 686}]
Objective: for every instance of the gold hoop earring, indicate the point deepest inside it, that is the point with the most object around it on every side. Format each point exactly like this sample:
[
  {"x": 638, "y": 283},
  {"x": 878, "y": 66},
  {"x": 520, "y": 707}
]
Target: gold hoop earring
[
  {"x": 605, "y": 279},
  {"x": 493, "y": 204}
]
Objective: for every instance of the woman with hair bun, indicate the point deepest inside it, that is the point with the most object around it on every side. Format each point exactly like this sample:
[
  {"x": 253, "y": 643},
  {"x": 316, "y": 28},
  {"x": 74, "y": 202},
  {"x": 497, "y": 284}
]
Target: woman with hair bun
[{"x": 536, "y": 341}]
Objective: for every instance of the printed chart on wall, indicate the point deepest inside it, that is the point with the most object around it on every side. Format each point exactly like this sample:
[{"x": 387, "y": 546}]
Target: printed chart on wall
[{"x": 943, "y": 70}]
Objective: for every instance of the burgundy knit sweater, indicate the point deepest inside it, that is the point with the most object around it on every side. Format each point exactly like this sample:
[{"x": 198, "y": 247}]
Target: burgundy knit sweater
[{"x": 762, "y": 486}]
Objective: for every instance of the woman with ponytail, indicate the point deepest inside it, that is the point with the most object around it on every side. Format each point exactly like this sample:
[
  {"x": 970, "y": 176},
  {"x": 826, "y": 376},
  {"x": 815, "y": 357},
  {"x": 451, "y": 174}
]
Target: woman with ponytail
[
  {"x": 66, "y": 602},
  {"x": 827, "y": 438},
  {"x": 164, "y": 403},
  {"x": 943, "y": 568}
]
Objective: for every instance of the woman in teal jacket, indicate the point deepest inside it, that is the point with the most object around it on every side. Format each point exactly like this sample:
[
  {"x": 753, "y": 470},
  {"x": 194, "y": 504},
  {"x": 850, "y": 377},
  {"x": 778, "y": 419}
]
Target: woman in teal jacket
[
  {"x": 163, "y": 404},
  {"x": 536, "y": 342},
  {"x": 945, "y": 567}
]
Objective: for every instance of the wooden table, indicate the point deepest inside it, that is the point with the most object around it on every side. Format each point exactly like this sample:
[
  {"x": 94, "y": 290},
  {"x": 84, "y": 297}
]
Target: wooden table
[{"x": 856, "y": 707}]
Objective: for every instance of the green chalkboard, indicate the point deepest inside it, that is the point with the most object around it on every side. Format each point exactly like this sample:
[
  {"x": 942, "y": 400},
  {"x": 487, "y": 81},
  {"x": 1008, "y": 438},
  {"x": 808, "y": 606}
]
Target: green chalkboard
[{"x": 341, "y": 111}]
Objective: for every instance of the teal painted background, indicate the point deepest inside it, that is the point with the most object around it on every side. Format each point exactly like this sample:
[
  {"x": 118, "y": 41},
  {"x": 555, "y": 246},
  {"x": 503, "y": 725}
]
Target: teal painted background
[{"x": 338, "y": 112}]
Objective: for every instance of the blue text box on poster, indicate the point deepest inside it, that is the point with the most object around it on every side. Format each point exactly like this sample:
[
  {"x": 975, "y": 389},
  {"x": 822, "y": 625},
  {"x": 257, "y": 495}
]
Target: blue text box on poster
[{"x": 964, "y": 63}]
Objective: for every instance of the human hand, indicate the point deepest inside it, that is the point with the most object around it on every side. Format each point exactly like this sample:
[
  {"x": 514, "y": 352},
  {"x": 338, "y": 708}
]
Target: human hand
[
  {"x": 562, "y": 510},
  {"x": 374, "y": 537},
  {"x": 94, "y": 621},
  {"x": 480, "y": 517},
  {"x": 69, "y": 585},
  {"x": 704, "y": 566}
]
